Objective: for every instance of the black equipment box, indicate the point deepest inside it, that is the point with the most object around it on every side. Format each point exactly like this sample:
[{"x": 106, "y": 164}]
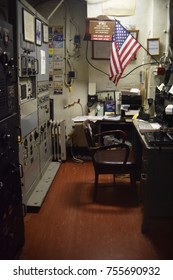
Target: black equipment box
[{"x": 134, "y": 101}]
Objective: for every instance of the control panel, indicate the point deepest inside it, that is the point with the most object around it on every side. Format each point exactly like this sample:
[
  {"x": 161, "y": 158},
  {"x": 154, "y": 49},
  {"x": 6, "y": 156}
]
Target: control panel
[
  {"x": 26, "y": 90},
  {"x": 42, "y": 87},
  {"x": 8, "y": 104},
  {"x": 29, "y": 157},
  {"x": 11, "y": 211},
  {"x": 29, "y": 66},
  {"x": 33, "y": 96},
  {"x": 44, "y": 126}
]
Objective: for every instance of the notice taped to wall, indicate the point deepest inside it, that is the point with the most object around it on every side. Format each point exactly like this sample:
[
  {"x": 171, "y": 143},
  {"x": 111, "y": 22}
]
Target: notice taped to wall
[{"x": 56, "y": 62}]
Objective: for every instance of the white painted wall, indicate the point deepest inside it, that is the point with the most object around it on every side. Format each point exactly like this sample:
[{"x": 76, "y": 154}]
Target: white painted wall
[
  {"x": 151, "y": 18},
  {"x": 71, "y": 11}
]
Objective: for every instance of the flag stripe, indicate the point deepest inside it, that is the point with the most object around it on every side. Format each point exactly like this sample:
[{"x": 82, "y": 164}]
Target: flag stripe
[
  {"x": 130, "y": 56},
  {"x": 115, "y": 63},
  {"x": 124, "y": 47},
  {"x": 130, "y": 52},
  {"x": 116, "y": 59}
]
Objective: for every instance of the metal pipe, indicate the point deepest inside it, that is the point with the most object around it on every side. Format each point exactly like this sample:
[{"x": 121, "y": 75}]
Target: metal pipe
[{"x": 55, "y": 9}]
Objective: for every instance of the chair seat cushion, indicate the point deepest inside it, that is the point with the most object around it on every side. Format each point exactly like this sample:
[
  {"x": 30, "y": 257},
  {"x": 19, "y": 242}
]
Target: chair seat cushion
[{"x": 113, "y": 157}]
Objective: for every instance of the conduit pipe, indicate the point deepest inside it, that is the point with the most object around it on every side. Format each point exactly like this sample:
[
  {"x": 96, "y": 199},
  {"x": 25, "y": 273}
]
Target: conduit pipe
[{"x": 56, "y": 8}]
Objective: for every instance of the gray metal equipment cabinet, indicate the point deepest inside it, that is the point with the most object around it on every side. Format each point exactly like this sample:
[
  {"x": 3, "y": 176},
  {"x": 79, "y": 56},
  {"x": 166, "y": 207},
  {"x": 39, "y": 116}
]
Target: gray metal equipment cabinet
[{"x": 156, "y": 179}]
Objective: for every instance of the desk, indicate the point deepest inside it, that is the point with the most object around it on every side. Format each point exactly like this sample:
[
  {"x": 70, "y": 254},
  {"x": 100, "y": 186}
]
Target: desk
[
  {"x": 156, "y": 179},
  {"x": 105, "y": 125},
  {"x": 109, "y": 123}
]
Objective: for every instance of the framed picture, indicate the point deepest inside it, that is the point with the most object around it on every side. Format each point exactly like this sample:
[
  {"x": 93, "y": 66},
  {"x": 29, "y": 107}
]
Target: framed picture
[
  {"x": 153, "y": 46},
  {"x": 45, "y": 34},
  {"x": 101, "y": 50},
  {"x": 28, "y": 27},
  {"x": 38, "y": 32},
  {"x": 134, "y": 33}
]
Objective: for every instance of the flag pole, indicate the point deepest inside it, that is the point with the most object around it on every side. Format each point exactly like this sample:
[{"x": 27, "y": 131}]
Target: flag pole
[
  {"x": 140, "y": 44},
  {"x": 144, "y": 48},
  {"x": 148, "y": 53}
]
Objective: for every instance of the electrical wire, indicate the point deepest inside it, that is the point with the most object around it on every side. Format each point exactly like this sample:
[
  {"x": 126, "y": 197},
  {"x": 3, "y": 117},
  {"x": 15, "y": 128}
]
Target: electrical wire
[
  {"x": 75, "y": 53},
  {"x": 92, "y": 64},
  {"x": 77, "y": 160},
  {"x": 68, "y": 82},
  {"x": 65, "y": 49},
  {"x": 75, "y": 25},
  {"x": 71, "y": 139},
  {"x": 149, "y": 63},
  {"x": 75, "y": 102}
]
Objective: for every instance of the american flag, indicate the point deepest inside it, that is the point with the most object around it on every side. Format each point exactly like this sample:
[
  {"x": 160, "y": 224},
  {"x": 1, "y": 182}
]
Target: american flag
[{"x": 124, "y": 47}]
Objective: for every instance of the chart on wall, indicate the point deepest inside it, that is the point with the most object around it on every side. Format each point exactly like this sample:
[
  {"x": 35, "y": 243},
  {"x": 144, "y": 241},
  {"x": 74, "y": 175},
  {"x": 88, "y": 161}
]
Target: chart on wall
[{"x": 56, "y": 58}]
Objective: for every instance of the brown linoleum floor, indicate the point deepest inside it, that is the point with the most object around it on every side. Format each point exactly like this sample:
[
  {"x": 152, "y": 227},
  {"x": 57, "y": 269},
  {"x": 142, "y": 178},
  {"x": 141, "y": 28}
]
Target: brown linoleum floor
[{"x": 70, "y": 226}]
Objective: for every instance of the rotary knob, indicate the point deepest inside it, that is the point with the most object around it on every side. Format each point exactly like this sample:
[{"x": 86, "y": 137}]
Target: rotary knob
[
  {"x": 4, "y": 59},
  {"x": 6, "y": 136}
]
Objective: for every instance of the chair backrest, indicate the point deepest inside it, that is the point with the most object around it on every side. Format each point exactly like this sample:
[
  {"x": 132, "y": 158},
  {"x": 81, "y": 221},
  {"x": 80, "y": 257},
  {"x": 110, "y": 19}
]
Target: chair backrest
[
  {"x": 88, "y": 130},
  {"x": 106, "y": 137},
  {"x": 90, "y": 137}
]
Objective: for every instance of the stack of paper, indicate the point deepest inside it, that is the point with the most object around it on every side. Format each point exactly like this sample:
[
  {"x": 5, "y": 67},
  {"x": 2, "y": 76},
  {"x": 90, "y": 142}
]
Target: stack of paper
[{"x": 147, "y": 127}]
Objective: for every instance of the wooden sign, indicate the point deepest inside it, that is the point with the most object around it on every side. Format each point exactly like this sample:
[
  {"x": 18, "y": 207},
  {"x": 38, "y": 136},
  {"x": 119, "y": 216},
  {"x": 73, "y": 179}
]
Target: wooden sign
[
  {"x": 103, "y": 27},
  {"x": 99, "y": 30}
]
